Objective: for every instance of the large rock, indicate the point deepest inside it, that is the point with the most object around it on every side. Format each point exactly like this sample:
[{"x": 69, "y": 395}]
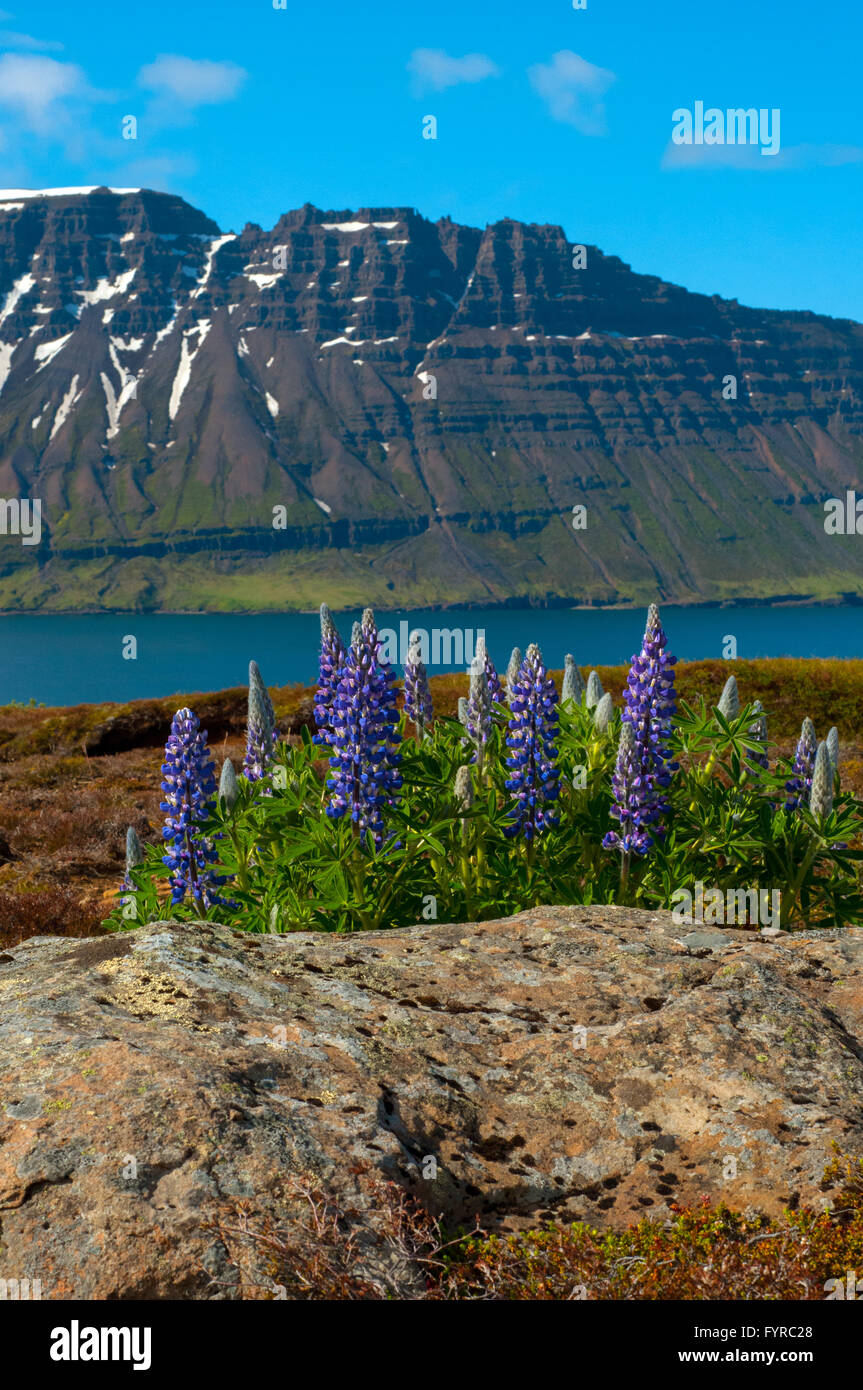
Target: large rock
[{"x": 567, "y": 1063}]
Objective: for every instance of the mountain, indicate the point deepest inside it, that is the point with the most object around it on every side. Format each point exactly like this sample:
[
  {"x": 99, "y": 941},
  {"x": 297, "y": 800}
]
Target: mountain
[{"x": 425, "y": 402}]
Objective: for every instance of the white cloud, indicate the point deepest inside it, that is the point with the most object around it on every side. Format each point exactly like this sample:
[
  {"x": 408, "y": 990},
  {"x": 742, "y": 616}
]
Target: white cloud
[
  {"x": 35, "y": 90},
  {"x": 434, "y": 70},
  {"x": 749, "y": 157},
  {"x": 9, "y": 38},
  {"x": 189, "y": 82},
  {"x": 573, "y": 89}
]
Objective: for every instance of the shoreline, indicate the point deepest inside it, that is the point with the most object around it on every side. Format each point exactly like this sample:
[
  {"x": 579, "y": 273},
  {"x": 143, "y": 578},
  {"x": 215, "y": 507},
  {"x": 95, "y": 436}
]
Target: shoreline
[{"x": 520, "y": 605}]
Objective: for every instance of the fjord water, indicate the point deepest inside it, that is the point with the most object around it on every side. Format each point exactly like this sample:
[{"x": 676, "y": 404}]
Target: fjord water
[{"x": 76, "y": 658}]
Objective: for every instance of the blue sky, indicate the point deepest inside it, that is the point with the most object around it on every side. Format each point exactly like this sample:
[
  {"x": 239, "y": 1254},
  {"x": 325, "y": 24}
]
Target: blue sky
[{"x": 545, "y": 113}]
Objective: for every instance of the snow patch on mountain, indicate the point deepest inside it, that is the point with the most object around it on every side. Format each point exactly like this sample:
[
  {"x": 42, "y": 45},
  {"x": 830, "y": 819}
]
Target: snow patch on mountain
[
  {"x": 107, "y": 289},
  {"x": 184, "y": 370},
  {"x": 48, "y": 351},
  {"x": 7, "y": 352},
  {"x": 60, "y": 192},
  {"x": 70, "y": 400},
  {"x": 21, "y": 287},
  {"x": 215, "y": 246}
]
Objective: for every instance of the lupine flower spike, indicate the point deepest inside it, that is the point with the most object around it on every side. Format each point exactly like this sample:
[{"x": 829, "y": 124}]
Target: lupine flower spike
[
  {"x": 261, "y": 728},
  {"x": 189, "y": 786},
  {"x": 418, "y": 700},
  {"x": 572, "y": 689},
  {"x": 512, "y": 671},
  {"x": 329, "y": 672},
  {"x": 495, "y": 689},
  {"x": 365, "y": 741},
  {"x": 594, "y": 691},
  {"x": 800, "y": 782},
  {"x": 631, "y": 806},
  {"x": 821, "y": 795},
  {"x": 650, "y": 703},
  {"x": 531, "y": 732},
  {"x": 729, "y": 700}
]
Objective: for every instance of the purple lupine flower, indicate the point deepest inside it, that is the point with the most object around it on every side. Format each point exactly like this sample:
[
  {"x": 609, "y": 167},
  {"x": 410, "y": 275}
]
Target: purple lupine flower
[
  {"x": 800, "y": 782},
  {"x": 631, "y": 806},
  {"x": 530, "y": 735},
  {"x": 758, "y": 730},
  {"x": 495, "y": 689},
  {"x": 364, "y": 737},
  {"x": 260, "y": 728},
  {"x": 329, "y": 673},
  {"x": 650, "y": 704},
  {"x": 189, "y": 785},
  {"x": 418, "y": 700}
]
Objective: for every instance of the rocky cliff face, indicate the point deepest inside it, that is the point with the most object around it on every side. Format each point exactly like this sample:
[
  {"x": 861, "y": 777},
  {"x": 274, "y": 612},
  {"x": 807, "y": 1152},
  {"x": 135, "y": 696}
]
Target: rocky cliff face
[
  {"x": 568, "y": 1063},
  {"x": 427, "y": 396}
]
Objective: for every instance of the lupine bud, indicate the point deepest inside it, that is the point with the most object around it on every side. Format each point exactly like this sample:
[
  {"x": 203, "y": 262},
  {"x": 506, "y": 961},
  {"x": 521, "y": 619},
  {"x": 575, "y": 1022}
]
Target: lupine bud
[
  {"x": 800, "y": 783},
  {"x": 602, "y": 714},
  {"x": 229, "y": 788},
  {"x": 572, "y": 689},
  {"x": 134, "y": 854},
  {"x": 463, "y": 789},
  {"x": 134, "y": 848},
  {"x": 494, "y": 687},
  {"x": 530, "y": 734},
  {"x": 832, "y": 742},
  {"x": 189, "y": 785},
  {"x": 418, "y": 700},
  {"x": 729, "y": 700},
  {"x": 261, "y": 728},
  {"x": 594, "y": 692},
  {"x": 462, "y": 709},
  {"x": 512, "y": 671},
  {"x": 821, "y": 795}
]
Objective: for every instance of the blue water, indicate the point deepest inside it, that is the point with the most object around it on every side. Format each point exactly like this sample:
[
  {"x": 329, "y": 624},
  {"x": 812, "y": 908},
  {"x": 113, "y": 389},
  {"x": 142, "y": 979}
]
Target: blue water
[{"x": 70, "y": 659}]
